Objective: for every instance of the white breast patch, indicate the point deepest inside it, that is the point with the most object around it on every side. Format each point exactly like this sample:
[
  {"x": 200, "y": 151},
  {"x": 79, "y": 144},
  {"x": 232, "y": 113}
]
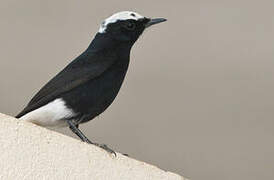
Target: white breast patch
[{"x": 50, "y": 115}]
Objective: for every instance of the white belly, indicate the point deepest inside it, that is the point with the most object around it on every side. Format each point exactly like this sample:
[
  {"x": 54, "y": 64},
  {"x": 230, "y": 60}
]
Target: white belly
[{"x": 52, "y": 114}]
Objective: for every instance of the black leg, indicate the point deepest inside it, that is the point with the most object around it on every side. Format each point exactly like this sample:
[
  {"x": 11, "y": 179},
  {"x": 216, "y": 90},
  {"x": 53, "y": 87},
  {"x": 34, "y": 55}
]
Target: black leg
[{"x": 74, "y": 128}]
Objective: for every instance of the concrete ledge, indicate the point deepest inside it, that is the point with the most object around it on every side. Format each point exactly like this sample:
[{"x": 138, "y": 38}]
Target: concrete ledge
[{"x": 31, "y": 152}]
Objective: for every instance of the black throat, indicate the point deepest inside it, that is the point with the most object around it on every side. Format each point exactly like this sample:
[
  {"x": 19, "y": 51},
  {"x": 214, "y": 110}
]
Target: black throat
[{"x": 103, "y": 41}]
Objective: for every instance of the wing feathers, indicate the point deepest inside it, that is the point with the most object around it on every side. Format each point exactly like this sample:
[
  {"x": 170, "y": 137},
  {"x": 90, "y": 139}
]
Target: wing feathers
[{"x": 86, "y": 67}]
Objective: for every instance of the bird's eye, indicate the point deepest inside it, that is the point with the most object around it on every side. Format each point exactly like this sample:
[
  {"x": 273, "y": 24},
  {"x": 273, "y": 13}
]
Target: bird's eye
[{"x": 130, "y": 26}]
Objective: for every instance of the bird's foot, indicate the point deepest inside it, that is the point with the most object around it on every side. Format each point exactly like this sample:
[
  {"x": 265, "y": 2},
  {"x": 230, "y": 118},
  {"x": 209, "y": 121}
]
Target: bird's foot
[
  {"x": 74, "y": 127},
  {"x": 106, "y": 148}
]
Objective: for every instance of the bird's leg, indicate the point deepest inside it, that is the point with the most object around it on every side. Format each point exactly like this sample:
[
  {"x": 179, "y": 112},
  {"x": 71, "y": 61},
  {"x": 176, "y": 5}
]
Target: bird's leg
[{"x": 74, "y": 128}]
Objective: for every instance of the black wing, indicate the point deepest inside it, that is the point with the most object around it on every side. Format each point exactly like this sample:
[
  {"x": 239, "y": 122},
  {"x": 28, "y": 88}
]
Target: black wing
[{"x": 87, "y": 66}]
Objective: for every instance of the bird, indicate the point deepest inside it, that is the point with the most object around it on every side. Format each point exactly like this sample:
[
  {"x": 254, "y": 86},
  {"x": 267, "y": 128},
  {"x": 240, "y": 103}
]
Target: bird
[{"x": 88, "y": 85}]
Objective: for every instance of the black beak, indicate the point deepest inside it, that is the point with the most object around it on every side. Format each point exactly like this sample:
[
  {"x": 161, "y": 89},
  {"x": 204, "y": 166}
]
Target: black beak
[{"x": 155, "y": 21}]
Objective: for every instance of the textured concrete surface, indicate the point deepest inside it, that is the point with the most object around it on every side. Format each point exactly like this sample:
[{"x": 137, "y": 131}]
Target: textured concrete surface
[{"x": 31, "y": 152}]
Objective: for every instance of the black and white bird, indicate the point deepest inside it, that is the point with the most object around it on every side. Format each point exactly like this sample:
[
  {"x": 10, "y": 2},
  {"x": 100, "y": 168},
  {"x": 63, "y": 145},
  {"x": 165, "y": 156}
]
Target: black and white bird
[{"x": 89, "y": 84}]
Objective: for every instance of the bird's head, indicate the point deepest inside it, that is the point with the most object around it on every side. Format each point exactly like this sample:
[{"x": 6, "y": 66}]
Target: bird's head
[{"x": 127, "y": 26}]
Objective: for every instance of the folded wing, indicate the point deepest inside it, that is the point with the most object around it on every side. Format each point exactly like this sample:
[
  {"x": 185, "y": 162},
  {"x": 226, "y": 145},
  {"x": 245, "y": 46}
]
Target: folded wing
[{"x": 84, "y": 68}]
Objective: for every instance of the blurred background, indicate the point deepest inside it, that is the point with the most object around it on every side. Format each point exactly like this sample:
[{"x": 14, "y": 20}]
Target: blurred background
[{"x": 198, "y": 97}]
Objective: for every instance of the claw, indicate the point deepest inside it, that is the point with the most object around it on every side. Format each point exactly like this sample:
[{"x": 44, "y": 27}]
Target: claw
[
  {"x": 76, "y": 130},
  {"x": 106, "y": 148}
]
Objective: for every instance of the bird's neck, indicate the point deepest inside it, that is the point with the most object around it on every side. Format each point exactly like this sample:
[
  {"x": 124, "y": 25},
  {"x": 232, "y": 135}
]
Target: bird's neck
[{"x": 104, "y": 41}]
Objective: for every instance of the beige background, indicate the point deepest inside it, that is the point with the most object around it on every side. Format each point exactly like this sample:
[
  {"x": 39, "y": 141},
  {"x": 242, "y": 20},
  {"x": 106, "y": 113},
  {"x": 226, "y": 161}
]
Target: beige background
[{"x": 200, "y": 87}]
